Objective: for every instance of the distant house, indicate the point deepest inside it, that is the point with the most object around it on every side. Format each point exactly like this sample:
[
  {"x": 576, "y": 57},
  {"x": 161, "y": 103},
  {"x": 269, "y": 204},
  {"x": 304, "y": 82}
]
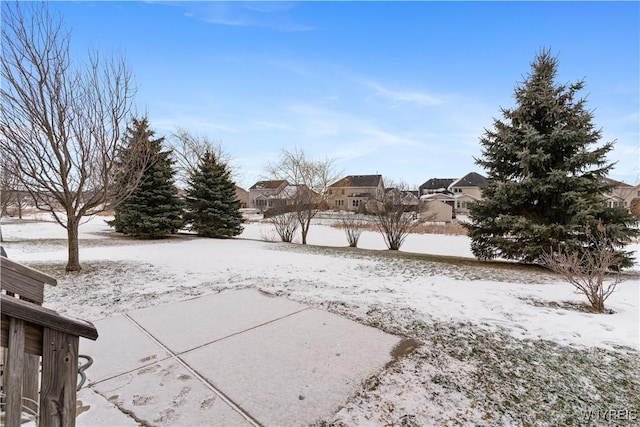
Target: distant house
[
  {"x": 410, "y": 198},
  {"x": 407, "y": 199},
  {"x": 436, "y": 210},
  {"x": 438, "y": 207},
  {"x": 352, "y": 192},
  {"x": 457, "y": 194},
  {"x": 264, "y": 195},
  {"x": 471, "y": 184},
  {"x": 436, "y": 186},
  {"x": 299, "y": 195},
  {"x": 621, "y": 194},
  {"x": 466, "y": 190},
  {"x": 242, "y": 196}
]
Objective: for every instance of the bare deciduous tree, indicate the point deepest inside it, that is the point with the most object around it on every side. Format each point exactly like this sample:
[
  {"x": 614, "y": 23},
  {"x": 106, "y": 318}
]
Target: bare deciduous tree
[
  {"x": 310, "y": 179},
  {"x": 12, "y": 193},
  {"x": 188, "y": 149},
  {"x": 593, "y": 270},
  {"x": 61, "y": 121},
  {"x": 393, "y": 214},
  {"x": 8, "y": 185},
  {"x": 353, "y": 226}
]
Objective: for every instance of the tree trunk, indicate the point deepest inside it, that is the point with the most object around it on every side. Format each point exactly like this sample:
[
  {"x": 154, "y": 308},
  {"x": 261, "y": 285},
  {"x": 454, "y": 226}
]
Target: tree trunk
[
  {"x": 73, "y": 263},
  {"x": 305, "y": 224}
]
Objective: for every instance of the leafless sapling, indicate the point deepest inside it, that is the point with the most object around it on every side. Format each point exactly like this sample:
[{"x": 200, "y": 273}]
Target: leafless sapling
[
  {"x": 395, "y": 212},
  {"x": 309, "y": 180},
  {"x": 353, "y": 225},
  {"x": 592, "y": 269},
  {"x": 286, "y": 225}
]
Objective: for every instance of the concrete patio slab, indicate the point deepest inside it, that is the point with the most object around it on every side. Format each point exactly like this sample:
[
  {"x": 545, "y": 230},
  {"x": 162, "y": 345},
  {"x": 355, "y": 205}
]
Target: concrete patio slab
[
  {"x": 212, "y": 317},
  {"x": 167, "y": 394},
  {"x": 296, "y": 370},
  {"x": 91, "y": 411},
  {"x": 235, "y": 358},
  {"x": 121, "y": 347}
]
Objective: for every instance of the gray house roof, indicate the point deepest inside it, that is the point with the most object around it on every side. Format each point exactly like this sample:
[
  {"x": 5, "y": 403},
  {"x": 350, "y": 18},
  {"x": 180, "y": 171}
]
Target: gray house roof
[
  {"x": 359, "y": 181},
  {"x": 615, "y": 183},
  {"x": 471, "y": 179},
  {"x": 437, "y": 184},
  {"x": 263, "y": 185}
]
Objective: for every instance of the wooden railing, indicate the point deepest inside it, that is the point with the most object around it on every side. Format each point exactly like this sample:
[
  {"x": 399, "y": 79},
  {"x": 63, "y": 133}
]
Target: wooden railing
[{"x": 31, "y": 333}]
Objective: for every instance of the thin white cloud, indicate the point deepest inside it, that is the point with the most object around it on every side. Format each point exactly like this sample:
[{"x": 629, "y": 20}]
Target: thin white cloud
[
  {"x": 384, "y": 138},
  {"x": 414, "y": 97},
  {"x": 238, "y": 14}
]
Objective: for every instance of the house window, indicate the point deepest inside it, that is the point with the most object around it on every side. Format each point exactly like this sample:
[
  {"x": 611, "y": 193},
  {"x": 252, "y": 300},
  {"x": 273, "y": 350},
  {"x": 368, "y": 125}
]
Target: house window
[
  {"x": 457, "y": 190},
  {"x": 355, "y": 203},
  {"x": 343, "y": 192},
  {"x": 330, "y": 191},
  {"x": 340, "y": 202}
]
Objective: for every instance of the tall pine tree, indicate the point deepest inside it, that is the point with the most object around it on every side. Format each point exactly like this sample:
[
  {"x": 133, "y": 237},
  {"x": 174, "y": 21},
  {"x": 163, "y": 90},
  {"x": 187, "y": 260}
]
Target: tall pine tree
[
  {"x": 153, "y": 210},
  {"x": 545, "y": 174},
  {"x": 213, "y": 209}
]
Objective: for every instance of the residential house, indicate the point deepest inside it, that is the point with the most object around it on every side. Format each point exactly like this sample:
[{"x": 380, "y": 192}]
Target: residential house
[
  {"x": 466, "y": 190},
  {"x": 411, "y": 198},
  {"x": 444, "y": 198},
  {"x": 436, "y": 186},
  {"x": 436, "y": 210},
  {"x": 352, "y": 192},
  {"x": 621, "y": 194},
  {"x": 407, "y": 199},
  {"x": 242, "y": 196},
  {"x": 267, "y": 194},
  {"x": 300, "y": 195}
]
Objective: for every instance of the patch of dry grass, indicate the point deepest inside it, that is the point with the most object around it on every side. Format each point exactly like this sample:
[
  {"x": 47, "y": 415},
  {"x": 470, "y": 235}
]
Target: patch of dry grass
[{"x": 450, "y": 229}]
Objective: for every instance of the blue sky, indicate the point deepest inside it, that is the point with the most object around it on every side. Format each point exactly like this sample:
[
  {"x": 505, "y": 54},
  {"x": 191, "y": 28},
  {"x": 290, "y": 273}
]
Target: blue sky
[{"x": 403, "y": 89}]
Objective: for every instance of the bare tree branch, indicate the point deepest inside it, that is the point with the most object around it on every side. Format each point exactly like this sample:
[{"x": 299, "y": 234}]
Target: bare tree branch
[
  {"x": 60, "y": 123},
  {"x": 286, "y": 225},
  {"x": 593, "y": 270},
  {"x": 310, "y": 180},
  {"x": 393, "y": 214},
  {"x": 188, "y": 149},
  {"x": 353, "y": 225}
]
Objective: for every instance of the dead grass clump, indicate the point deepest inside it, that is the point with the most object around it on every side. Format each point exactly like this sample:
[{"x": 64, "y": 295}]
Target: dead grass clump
[{"x": 450, "y": 229}]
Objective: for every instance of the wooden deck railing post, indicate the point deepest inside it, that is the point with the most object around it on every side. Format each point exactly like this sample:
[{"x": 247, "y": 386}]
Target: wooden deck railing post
[
  {"x": 14, "y": 373},
  {"x": 30, "y": 331},
  {"x": 31, "y": 382},
  {"x": 59, "y": 379}
]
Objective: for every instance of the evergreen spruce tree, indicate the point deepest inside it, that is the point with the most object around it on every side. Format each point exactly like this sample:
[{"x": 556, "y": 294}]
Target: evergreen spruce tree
[
  {"x": 212, "y": 207},
  {"x": 546, "y": 176},
  {"x": 153, "y": 210}
]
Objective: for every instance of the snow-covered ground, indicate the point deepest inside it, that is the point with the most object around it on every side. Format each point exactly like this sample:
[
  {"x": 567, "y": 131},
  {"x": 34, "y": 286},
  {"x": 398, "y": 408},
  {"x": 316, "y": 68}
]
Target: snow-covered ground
[{"x": 502, "y": 345}]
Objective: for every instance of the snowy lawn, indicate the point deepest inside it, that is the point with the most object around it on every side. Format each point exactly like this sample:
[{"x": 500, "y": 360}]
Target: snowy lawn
[{"x": 502, "y": 344}]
